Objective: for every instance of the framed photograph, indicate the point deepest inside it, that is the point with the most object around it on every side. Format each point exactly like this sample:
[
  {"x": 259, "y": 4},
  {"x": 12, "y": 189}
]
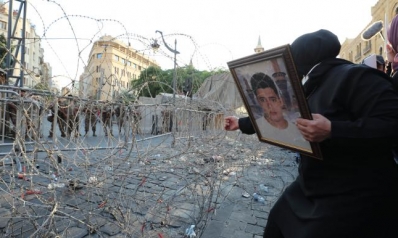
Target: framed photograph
[{"x": 273, "y": 96}]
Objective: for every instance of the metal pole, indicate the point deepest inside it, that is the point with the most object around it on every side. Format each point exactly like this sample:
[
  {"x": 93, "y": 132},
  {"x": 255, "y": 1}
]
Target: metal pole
[
  {"x": 173, "y": 116},
  {"x": 175, "y": 73},
  {"x": 9, "y": 34},
  {"x": 175, "y": 63}
]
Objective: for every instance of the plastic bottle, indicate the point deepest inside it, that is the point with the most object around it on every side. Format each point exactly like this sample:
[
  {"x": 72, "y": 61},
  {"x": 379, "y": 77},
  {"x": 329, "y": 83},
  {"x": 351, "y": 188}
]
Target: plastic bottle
[
  {"x": 263, "y": 189},
  {"x": 189, "y": 232},
  {"x": 52, "y": 186},
  {"x": 258, "y": 198},
  {"x": 59, "y": 185}
]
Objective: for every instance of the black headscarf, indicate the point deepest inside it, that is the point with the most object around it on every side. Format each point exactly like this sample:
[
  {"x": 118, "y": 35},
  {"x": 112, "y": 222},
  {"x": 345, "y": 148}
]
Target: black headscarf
[{"x": 312, "y": 48}]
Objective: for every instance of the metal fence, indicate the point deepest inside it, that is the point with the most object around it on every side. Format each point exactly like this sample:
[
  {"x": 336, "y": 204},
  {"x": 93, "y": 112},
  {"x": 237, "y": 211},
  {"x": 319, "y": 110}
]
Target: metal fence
[{"x": 29, "y": 117}]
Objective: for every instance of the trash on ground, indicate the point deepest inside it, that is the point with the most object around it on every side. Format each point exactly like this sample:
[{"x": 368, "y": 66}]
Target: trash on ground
[
  {"x": 189, "y": 232},
  {"x": 245, "y": 195},
  {"x": 258, "y": 198},
  {"x": 52, "y": 186},
  {"x": 263, "y": 189}
]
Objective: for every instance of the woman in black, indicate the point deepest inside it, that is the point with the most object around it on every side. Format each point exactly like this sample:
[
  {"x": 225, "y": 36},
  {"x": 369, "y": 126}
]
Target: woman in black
[
  {"x": 353, "y": 191},
  {"x": 392, "y": 50}
]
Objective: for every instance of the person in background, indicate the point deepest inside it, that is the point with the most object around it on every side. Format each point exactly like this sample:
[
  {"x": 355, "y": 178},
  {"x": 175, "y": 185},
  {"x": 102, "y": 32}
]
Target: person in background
[
  {"x": 380, "y": 63},
  {"x": 24, "y": 103},
  {"x": 376, "y": 61},
  {"x": 392, "y": 50},
  {"x": 352, "y": 191},
  {"x": 106, "y": 117},
  {"x": 12, "y": 108},
  {"x": 120, "y": 112},
  {"x": 73, "y": 121},
  {"x": 90, "y": 117},
  {"x": 61, "y": 119},
  {"x": 392, "y": 58}
]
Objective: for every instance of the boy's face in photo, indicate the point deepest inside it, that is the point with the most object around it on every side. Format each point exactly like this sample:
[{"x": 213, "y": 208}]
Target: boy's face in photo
[{"x": 271, "y": 104}]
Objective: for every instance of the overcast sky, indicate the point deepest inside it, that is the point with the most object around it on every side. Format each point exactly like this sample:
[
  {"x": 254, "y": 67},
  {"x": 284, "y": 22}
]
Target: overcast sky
[{"x": 211, "y": 32}]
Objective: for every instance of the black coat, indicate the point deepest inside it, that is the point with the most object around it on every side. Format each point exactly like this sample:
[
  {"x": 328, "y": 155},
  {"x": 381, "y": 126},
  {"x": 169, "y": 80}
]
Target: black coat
[{"x": 353, "y": 191}]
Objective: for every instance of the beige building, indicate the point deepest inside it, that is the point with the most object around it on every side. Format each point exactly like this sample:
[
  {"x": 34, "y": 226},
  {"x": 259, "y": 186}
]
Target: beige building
[
  {"x": 357, "y": 49},
  {"x": 111, "y": 67},
  {"x": 35, "y": 69}
]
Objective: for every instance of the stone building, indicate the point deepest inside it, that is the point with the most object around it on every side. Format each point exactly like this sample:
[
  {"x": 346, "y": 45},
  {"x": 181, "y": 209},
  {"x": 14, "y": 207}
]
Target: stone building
[
  {"x": 111, "y": 67},
  {"x": 357, "y": 49},
  {"x": 35, "y": 69}
]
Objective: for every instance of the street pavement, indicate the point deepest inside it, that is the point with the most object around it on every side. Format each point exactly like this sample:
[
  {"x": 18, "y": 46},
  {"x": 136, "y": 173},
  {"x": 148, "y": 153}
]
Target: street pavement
[{"x": 142, "y": 185}]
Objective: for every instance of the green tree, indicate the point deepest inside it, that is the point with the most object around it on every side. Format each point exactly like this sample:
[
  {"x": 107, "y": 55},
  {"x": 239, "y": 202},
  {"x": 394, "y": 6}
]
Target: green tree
[
  {"x": 154, "y": 80},
  {"x": 151, "y": 82},
  {"x": 3, "y": 52},
  {"x": 41, "y": 86},
  {"x": 127, "y": 96}
]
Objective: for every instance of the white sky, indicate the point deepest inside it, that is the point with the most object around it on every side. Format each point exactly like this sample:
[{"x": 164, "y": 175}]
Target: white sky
[{"x": 212, "y": 31}]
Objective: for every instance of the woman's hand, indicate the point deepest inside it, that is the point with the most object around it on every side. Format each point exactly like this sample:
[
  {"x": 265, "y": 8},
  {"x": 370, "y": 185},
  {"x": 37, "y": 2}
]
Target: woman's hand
[
  {"x": 231, "y": 123},
  {"x": 315, "y": 130}
]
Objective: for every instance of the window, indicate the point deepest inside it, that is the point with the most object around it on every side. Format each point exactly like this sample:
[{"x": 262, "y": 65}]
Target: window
[
  {"x": 116, "y": 57},
  {"x": 359, "y": 52},
  {"x": 123, "y": 72},
  {"x": 128, "y": 63},
  {"x": 368, "y": 47},
  {"x": 3, "y": 25},
  {"x": 99, "y": 55},
  {"x": 123, "y": 61},
  {"x": 98, "y": 69}
]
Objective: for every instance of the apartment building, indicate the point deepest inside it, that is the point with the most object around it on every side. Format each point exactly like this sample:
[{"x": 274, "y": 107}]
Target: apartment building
[
  {"x": 111, "y": 66},
  {"x": 357, "y": 49},
  {"x": 35, "y": 69}
]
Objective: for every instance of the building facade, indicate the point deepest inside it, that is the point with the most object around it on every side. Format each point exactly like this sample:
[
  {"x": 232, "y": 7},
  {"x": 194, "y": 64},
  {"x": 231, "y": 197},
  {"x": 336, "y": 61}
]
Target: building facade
[
  {"x": 111, "y": 67},
  {"x": 357, "y": 49},
  {"x": 35, "y": 69}
]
